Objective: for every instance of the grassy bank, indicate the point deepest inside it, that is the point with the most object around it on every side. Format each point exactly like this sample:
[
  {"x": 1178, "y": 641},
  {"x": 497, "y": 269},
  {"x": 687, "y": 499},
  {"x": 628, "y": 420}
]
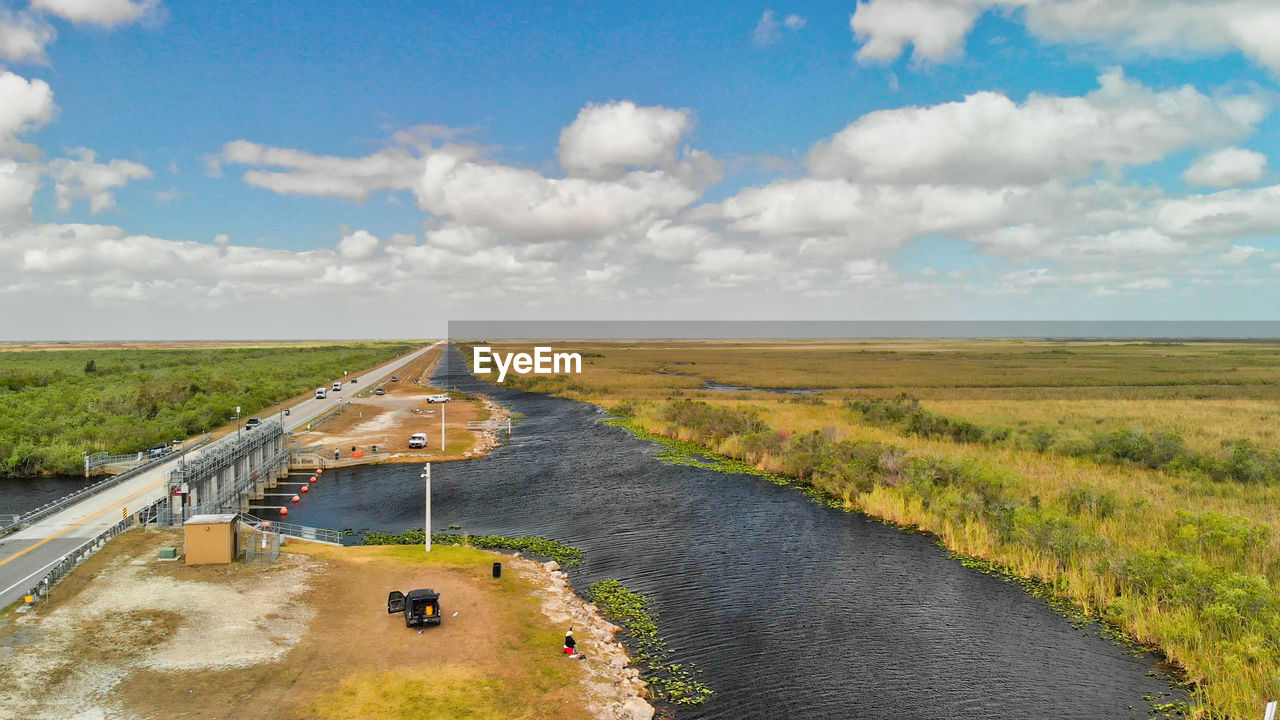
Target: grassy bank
[
  {"x": 57, "y": 404},
  {"x": 1068, "y": 464}
]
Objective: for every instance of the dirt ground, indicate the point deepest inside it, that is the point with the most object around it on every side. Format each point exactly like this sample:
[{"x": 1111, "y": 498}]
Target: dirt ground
[
  {"x": 128, "y": 636},
  {"x": 387, "y": 421}
]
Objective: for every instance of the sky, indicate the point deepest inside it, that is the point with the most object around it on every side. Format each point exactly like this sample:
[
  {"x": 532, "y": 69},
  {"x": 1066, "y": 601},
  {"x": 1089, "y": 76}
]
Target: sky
[{"x": 275, "y": 170}]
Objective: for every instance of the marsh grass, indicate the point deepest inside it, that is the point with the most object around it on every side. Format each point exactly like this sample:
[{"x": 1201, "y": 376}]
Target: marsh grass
[{"x": 1175, "y": 560}]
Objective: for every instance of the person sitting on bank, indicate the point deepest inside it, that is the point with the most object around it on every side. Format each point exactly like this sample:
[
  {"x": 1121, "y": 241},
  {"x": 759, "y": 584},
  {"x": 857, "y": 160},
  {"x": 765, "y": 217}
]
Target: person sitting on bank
[{"x": 569, "y": 643}]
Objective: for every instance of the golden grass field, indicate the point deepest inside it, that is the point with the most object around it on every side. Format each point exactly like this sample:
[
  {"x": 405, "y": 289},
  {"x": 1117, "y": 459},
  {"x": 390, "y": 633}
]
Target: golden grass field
[{"x": 1174, "y": 557}]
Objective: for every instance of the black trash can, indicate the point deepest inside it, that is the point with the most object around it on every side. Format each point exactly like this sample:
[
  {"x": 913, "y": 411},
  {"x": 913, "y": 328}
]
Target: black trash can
[{"x": 497, "y": 569}]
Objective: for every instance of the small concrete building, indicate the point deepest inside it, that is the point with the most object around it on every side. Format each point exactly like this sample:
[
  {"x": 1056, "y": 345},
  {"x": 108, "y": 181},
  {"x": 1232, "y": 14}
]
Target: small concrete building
[{"x": 211, "y": 539}]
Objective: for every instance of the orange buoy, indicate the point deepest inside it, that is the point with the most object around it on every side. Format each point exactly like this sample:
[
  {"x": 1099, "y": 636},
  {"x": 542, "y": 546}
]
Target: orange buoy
[
  {"x": 295, "y": 499},
  {"x": 320, "y": 471},
  {"x": 306, "y": 488},
  {"x": 313, "y": 478},
  {"x": 284, "y": 511}
]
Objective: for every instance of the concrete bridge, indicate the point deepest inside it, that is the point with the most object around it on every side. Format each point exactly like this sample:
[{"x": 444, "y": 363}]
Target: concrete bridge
[{"x": 223, "y": 476}]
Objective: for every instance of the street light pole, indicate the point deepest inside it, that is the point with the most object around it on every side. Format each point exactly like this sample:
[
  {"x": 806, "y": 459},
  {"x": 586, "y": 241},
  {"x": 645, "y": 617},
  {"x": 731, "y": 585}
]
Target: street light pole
[
  {"x": 426, "y": 475},
  {"x": 443, "y": 405}
]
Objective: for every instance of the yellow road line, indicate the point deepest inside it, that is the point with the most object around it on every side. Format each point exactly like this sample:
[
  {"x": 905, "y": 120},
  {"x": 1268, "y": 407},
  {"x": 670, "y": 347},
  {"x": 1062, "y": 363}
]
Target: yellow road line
[{"x": 82, "y": 521}]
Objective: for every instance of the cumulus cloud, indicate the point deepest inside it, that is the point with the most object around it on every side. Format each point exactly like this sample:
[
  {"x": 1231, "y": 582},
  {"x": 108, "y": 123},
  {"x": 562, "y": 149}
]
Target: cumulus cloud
[
  {"x": 936, "y": 29},
  {"x": 25, "y": 105},
  {"x": 82, "y": 176},
  {"x": 525, "y": 204},
  {"x": 23, "y": 37},
  {"x": 604, "y": 141},
  {"x": 1228, "y": 167},
  {"x": 359, "y": 245},
  {"x": 303, "y": 173},
  {"x": 988, "y": 139},
  {"x": 795, "y": 22},
  {"x": 107, "y": 13},
  {"x": 1225, "y": 214}
]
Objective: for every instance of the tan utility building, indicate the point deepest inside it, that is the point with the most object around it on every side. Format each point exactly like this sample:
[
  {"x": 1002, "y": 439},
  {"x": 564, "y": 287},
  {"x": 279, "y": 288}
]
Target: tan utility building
[{"x": 211, "y": 539}]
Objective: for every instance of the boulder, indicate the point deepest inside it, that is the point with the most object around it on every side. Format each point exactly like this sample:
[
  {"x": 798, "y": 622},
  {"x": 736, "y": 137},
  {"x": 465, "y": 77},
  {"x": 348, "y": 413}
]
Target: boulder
[
  {"x": 637, "y": 709},
  {"x": 551, "y": 565}
]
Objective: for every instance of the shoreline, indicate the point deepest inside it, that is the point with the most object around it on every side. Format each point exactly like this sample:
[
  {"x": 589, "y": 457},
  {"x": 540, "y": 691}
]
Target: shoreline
[{"x": 614, "y": 689}]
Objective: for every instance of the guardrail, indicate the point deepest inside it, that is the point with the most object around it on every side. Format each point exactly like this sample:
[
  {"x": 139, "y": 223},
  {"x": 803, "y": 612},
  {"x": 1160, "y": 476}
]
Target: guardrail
[
  {"x": 61, "y": 503},
  {"x": 99, "y": 459},
  {"x": 300, "y": 532},
  {"x": 334, "y": 411},
  {"x": 72, "y": 560}
]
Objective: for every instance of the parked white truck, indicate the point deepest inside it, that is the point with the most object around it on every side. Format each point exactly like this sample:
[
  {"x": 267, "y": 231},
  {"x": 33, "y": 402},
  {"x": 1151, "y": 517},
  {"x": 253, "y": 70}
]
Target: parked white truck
[
  {"x": 418, "y": 440},
  {"x": 437, "y": 398}
]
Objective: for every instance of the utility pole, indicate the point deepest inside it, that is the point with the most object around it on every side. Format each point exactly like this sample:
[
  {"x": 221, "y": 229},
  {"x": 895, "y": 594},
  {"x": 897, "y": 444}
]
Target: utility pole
[
  {"x": 426, "y": 475},
  {"x": 443, "y": 405}
]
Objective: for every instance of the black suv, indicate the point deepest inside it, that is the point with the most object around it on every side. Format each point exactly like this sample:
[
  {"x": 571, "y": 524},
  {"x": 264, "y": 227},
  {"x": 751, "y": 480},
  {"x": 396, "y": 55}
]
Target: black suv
[{"x": 420, "y": 607}]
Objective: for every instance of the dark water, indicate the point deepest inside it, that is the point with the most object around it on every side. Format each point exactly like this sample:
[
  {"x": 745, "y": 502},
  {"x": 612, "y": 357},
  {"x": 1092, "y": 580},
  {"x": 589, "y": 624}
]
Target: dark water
[
  {"x": 792, "y": 609},
  {"x": 18, "y": 495}
]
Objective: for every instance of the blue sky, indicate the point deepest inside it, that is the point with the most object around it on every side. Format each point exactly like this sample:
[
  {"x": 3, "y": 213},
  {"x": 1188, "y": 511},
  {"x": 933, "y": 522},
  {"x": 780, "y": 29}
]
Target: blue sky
[{"x": 760, "y": 91}]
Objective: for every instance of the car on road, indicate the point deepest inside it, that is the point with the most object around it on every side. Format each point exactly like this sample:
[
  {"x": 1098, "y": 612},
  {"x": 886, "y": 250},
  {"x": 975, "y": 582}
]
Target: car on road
[
  {"x": 337, "y": 386},
  {"x": 418, "y": 440},
  {"x": 395, "y": 378},
  {"x": 321, "y": 393},
  {"x": 162, "y": 450},
  {"x": 252, "y": 423},
  {"x": 379, "y": 391},
  {"x": 438, "y": 398},
  {"x": 353, "y": 381}
]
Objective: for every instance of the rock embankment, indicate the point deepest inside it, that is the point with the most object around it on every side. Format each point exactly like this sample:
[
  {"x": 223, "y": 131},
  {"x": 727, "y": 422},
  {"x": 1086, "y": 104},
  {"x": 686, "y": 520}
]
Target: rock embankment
[{"x": 615, "y": 689}]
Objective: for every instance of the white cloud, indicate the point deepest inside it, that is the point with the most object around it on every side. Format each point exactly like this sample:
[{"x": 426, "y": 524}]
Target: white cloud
[
  {"x": 868, "y": 215},
  {"x": 1155, "y": 283},
  {"x": 674, "y": 243},
  {"x": 107, "y": 13},
  {"x": 988, "y": 139},
  {"x": 84, "y": 177},
  {"x": 866, "y": 272},
  {"x": 604, "y": 141},
  {"x": 23, "y": 37},
  {"x": 937, "y": 28},
  {"x": 359, "y": 245},
  {"x": 524, "y": 204},
  {"x": 767, "y": 31},
  {"x": 25, "y": 105},
  {"x": 321, "y": 175},
  {"x": 18, "y": 184},
  {"x": 1228, "y": 167},
  {"x": 1225, "y": 214}
]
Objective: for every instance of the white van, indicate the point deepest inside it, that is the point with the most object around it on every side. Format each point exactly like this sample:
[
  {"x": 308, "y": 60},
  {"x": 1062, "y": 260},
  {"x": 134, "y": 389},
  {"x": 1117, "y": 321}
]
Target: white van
[
  {"x": 321, "y": 394},
  {"x": 337, "y": 386},
  {"x": 418, "y": 440},
  {"x": 437, "y": 398}
]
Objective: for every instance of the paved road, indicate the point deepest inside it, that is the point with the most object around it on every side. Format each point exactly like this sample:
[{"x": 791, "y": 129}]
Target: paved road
[{"x": 27, "y": 555}]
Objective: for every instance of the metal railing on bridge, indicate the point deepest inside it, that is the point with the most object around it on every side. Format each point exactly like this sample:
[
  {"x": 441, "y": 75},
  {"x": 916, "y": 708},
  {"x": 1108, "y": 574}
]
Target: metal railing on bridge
[
  {"x": 54, "y": 506},
  {"x": 73, "y": 559},
  {"x": 299, "y": 532},
  {"x": 98, "y": 459}
]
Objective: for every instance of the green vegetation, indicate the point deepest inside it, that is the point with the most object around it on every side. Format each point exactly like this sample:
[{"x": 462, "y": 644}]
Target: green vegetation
[
  {"x": 671, "y": 682},
  {"x": 1133, "y": 483},
  {"x": 57, "y": 404},
  {"x": 567, "y": 555},
  {"x": 1241, "y": 460}
]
